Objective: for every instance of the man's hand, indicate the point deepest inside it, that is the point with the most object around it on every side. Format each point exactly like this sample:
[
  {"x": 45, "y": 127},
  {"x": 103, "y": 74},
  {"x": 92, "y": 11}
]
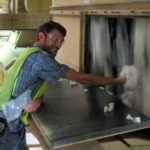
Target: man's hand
[
  {"x": 121, "y": 79},
  {"x": 33, "y": 105}
]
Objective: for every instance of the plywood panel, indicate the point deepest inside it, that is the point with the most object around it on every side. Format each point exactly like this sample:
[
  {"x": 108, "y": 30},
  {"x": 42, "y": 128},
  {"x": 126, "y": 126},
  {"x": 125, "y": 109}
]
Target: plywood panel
[
  {"x": 140, "y": 138},
  {"x": 36, "y": 6},
  {"x": 66, "y": 2},
  {"x": 113, "y": 143},
  {"x": 83, "y": 2},
  {"x": 142, "y": 148},
  {"x": 69, "y": 53}
]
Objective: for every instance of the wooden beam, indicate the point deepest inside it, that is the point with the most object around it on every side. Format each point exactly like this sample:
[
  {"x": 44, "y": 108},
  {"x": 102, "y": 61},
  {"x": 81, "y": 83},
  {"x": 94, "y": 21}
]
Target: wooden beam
[
  {"x": 82, "y": 42},
  {"x": 122, "y": 9},
  {"x": 22, "y": 21},
  {"x": 91, "y": 2},
  {"x": 133, "y": 5},
  {"x": 6, "y": 21}
]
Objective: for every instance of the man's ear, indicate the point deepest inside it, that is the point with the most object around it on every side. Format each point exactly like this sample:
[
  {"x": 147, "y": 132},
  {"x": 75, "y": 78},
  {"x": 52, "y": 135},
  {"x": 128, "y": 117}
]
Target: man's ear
[{"x": 41, "y": 36}]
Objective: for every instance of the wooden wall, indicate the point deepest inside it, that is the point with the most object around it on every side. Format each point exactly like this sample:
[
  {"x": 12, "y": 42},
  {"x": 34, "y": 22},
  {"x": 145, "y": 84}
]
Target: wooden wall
[
  {"x": 70, "y": 14},
  {"x": 69, "y": 53}
]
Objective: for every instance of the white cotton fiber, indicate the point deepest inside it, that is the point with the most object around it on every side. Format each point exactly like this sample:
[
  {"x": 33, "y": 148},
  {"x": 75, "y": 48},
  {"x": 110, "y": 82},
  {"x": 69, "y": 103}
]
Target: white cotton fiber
[
  {"x": 137, "y": 120},
  {"x": 105, "y": 109},
  {"x": 131, "y": 85},
  {"x": 109, "y": 107},
  {"x": 129, "y": 117},
  {"x": 73, "y": 83},
  {"x": 133, "y": 119},
  {"x": 131, "y": 73},
  {"x": 128, "y": 98}
]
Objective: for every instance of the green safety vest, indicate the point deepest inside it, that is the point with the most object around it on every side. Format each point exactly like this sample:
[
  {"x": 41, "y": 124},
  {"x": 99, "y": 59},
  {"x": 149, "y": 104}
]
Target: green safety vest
[{"x": 9, "y": 82}]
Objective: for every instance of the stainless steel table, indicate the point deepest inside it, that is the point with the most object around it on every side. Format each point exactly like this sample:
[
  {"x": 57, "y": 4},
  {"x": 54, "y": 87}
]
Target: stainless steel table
[{"x": 71, "y": 115}]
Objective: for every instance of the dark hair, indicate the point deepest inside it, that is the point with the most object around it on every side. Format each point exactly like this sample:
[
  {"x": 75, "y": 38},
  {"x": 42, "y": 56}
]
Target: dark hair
[{"x": 51, "y": 25}]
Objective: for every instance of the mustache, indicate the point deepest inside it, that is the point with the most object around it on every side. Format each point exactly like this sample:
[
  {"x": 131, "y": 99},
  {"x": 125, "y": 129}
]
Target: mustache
[
  {"x": 54, "y": 47},
  {"x": 46, "y": 48}
]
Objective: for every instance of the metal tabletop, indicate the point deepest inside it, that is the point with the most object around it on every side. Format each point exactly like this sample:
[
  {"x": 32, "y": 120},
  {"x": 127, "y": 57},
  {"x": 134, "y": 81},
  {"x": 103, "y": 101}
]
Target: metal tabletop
[{"x": 70, "y": 115}]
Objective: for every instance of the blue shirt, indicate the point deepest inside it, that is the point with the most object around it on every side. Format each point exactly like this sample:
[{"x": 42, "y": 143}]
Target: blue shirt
[{"x": 38, "y": 66}]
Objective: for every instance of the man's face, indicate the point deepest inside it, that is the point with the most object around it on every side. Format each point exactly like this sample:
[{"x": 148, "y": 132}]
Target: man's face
[{"x": 52, "y": 41}]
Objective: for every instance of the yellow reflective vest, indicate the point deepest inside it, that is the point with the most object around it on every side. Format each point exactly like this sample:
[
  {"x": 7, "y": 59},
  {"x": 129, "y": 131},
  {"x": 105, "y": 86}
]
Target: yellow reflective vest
[{"x": 9, "y": 82}]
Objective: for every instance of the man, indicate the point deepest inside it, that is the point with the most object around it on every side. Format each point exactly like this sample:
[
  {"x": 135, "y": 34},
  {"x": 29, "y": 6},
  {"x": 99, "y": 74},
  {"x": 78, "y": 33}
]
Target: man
[{"x": 29, "y": 72}]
